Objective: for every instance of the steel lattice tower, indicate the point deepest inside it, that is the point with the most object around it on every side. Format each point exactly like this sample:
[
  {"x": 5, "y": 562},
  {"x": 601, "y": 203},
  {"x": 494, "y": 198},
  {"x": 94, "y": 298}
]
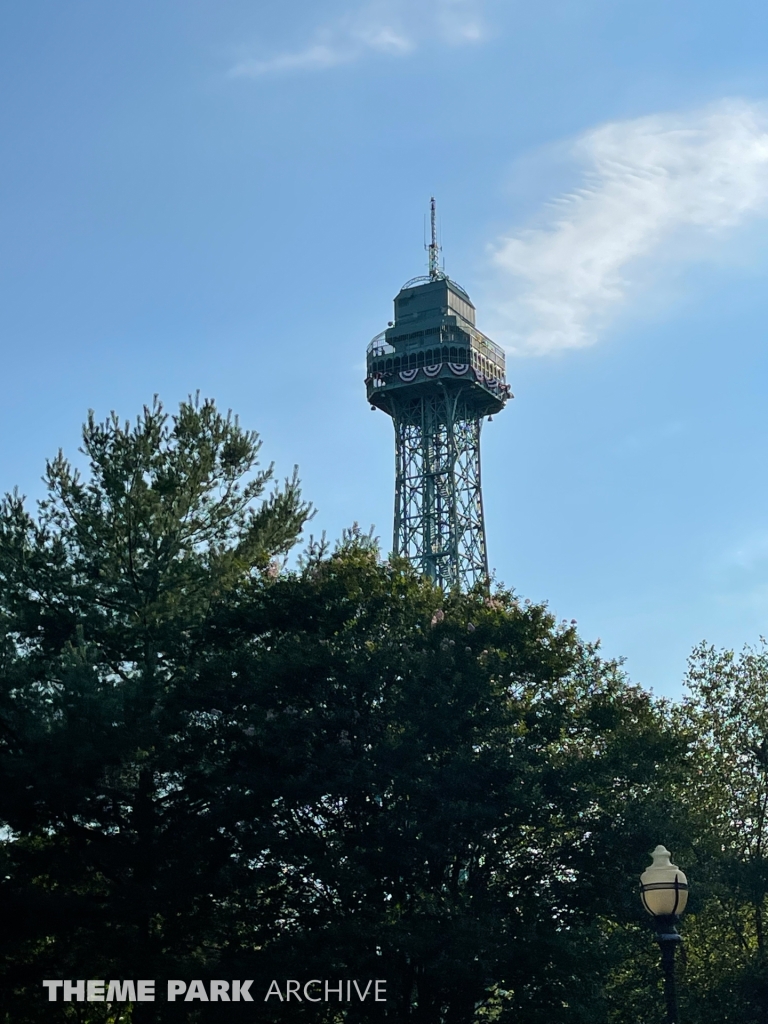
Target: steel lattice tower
[{"x": 438, "y": 377}]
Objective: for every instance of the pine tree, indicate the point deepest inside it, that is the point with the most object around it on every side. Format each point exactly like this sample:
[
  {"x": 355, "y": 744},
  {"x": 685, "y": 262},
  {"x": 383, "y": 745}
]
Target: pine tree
[{"x": 107, "y": 598}]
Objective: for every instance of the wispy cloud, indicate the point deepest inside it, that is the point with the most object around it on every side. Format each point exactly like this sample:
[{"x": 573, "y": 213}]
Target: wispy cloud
[
  {"x": 649, "y": 187},
  {"x": 383, "y": 27}
]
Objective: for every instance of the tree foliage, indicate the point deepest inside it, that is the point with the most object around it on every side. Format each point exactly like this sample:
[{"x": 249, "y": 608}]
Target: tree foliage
[
  {"x": 106, "y": 599},
  {"x": 726, "y": 715},
  {"x": 214, "y": 767}
]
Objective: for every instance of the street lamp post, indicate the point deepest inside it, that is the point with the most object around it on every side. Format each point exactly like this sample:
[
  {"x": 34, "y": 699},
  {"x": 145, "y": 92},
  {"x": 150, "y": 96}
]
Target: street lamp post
[{"x": 664, "y": 892}]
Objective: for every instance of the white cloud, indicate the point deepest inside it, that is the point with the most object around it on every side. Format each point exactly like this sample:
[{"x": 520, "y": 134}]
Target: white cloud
[
  {"x": 390, "y": 27},
  {"x": 666, "y": 186}
]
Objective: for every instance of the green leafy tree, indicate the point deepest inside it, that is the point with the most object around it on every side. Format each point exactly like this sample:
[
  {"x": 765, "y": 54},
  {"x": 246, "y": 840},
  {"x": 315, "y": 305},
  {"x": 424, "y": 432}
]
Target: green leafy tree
[
  {"x": 463, "y": 793},
  {"x": 719, "y": 831},
  {"x": 726, "y": 715},
  {"x": 217, "y": 769}
]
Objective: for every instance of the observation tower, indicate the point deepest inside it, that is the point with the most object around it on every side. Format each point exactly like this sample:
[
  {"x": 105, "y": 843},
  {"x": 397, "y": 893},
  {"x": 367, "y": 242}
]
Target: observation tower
[{"x": 438, "y": 377}]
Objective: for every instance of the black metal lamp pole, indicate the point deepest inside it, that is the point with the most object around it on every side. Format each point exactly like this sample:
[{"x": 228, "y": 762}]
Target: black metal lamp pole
[
  {"x": 664, "y": 891},
  {"x": 668, "y": 938}
]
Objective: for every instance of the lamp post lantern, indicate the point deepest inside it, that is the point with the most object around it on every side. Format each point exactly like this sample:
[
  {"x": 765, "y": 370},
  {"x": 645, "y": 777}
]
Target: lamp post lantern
[{"x": 664, "y": 892}]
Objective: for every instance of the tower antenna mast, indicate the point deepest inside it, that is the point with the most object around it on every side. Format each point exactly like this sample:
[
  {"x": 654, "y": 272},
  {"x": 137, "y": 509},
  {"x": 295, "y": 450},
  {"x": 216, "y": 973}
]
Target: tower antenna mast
[{"x": 433, "y": 248}]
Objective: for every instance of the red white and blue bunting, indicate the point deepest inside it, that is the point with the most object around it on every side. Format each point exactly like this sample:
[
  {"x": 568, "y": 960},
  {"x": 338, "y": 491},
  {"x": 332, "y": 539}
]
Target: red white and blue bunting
[{"x": 379, "y": 379}]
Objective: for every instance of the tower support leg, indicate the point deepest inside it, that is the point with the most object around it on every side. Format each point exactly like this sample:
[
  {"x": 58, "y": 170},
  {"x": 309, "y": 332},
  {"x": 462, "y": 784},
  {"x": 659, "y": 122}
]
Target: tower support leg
[{"x": 439, "y": 523}]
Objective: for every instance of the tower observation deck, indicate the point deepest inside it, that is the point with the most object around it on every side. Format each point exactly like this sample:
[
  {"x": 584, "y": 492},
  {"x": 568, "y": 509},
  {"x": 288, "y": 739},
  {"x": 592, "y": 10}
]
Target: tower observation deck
[{"x": 438, "y": 377}]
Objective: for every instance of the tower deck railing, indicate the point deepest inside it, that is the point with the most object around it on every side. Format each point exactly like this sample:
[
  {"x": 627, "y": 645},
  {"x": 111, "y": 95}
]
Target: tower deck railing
[
  {"x": 484, "y": 354},
  {"x": 381, "y": 346}
]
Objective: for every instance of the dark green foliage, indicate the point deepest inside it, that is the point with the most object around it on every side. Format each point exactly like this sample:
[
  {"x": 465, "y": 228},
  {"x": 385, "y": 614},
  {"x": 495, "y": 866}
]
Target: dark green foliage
[
  {"x": 106, "y": 600},
  {"x": 216, "y": 769},
  {"x": 457, "y": 793}
]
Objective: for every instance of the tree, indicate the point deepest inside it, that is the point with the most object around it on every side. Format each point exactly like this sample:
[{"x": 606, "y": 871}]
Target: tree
[
  {"x": 471, "y": 793},
  {"x": 720, "y": 833},
  {"x": 218, "y": 769},
  {"x": 104, "y": 599},
  {"x": 726, "y": 715}
]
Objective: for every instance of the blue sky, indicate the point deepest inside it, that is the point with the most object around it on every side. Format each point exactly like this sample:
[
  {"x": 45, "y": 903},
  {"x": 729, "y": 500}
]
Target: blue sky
[{"x": 226, "y": 196}]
